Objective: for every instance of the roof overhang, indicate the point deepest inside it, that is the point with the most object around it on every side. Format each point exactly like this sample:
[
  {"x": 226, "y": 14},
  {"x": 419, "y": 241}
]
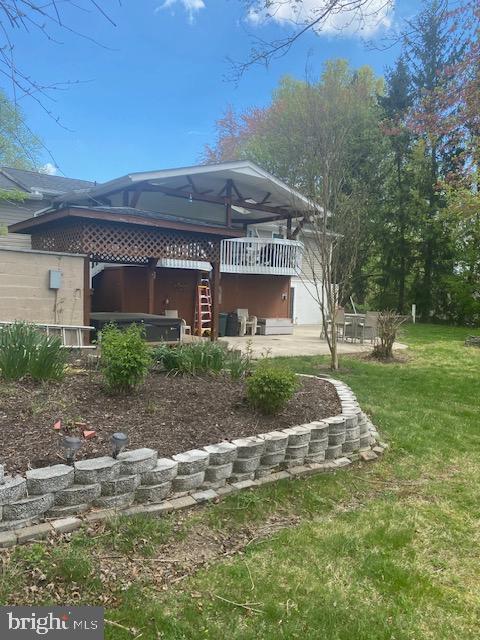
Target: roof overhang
[
  {"x": 253, "y": 194},
  {"x": 120, "y": 216}
]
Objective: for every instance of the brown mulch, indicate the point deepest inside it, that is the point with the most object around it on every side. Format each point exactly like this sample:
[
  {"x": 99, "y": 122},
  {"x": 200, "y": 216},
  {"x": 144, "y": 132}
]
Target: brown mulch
[{"x": 169, "y": 414}]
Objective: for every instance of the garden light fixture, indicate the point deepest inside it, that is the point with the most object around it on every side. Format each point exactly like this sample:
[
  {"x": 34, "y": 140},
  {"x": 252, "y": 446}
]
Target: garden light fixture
[
  {"x": 119, "y": 442},
  {"x": 71, "y": 444}
]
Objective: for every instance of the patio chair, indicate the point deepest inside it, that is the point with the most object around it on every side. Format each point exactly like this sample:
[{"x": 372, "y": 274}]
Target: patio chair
[
  {"x": 341, "y": 324},
  {"x": 369, "y": 328},
  {"x": 246, "y": 322}
]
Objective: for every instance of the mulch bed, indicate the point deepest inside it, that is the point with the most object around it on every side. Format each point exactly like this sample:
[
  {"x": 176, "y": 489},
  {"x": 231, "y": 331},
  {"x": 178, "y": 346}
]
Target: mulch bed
[{"x": 169, "y": 414}]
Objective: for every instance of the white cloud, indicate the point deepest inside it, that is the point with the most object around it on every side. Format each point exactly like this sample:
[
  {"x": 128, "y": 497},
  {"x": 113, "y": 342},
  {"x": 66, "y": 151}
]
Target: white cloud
[
  {"x": 365, "y": 20},
  {"x": 192, "y": 7},
  {"x": 49, "y": 168}
]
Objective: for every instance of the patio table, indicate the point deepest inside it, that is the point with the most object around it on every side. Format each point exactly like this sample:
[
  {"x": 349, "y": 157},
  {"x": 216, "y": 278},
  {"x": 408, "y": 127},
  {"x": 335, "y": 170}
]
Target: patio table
[{"x": 352, "y": 326}]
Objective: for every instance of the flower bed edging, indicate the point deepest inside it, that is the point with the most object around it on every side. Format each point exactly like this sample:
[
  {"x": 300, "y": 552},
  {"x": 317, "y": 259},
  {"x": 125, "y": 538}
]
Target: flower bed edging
[{"x": 60, "y": 494}]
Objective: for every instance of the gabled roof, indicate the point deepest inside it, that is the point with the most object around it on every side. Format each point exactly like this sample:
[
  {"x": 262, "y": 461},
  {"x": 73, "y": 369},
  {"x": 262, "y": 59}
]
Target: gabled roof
[
  {"x": 254, "y": 191},
  {"x": 35, "y": 182}
]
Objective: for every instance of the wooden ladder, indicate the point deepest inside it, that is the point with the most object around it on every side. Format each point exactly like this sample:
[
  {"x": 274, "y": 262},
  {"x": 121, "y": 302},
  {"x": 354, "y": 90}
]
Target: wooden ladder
[{"x": 203, "y": 308}]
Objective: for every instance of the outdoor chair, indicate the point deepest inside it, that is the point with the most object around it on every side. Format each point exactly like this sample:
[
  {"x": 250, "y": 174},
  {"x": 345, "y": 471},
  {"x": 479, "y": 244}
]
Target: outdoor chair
[
  {"x": 246, "y": 322},
  {"x": 341, "y": 324},
  {"x": 369, "y": 327}
]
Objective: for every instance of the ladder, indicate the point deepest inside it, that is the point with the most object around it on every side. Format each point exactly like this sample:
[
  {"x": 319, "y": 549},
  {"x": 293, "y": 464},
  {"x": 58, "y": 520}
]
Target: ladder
[{"x": 203, "y": 308}]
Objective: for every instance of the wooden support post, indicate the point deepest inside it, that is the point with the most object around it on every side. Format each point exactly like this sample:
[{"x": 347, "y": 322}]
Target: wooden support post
[
  {"x": 151, "y": 274},
  {"x": 228, "y": 202},
  {"x": 289, "y": 227},
  {"x": 215, "y": 300},
  {"x": 87, "y": 296}
]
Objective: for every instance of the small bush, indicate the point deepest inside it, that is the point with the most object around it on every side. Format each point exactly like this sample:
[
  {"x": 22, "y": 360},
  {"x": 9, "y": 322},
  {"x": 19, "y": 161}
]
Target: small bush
[
  {"x": 192, "y": 359},
  {"x": 25, "y": 350},
  {"x": 270, "y": 388},
  {"x": 388, "y": 324},
  {"x": 125, "y": 357}
]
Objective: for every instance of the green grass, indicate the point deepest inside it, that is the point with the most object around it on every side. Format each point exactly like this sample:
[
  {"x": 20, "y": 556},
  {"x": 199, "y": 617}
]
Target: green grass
[{"x": 388, "y": 551}]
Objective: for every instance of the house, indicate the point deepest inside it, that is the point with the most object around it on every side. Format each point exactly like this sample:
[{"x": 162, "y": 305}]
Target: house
[
  {"x": 149, "y": 236},
  {"x": 33, "y": 191}
]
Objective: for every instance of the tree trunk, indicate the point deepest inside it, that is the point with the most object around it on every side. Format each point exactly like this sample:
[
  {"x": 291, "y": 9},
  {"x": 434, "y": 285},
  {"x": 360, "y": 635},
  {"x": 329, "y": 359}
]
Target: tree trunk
[
  {"x": 333, "y": 346},
  {"x": 403, "y": 248}
]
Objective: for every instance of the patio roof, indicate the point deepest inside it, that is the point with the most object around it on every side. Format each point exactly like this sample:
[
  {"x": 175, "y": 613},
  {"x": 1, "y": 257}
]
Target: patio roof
[{"x": 252, "y": 194}]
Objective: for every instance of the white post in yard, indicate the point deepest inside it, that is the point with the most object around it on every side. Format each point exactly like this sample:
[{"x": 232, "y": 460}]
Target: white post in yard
[{"x": 414, "y": 312}]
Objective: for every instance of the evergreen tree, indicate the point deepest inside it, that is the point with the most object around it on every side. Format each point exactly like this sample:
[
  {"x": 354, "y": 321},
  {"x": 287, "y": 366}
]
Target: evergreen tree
[
  {"x": 432, "y": 50},
  {"x": 396, "y": 104}
]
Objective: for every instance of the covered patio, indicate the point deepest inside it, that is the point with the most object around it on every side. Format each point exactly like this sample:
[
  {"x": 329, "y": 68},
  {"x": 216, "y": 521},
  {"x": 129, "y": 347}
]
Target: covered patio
[{"x": 150, "y": 239}]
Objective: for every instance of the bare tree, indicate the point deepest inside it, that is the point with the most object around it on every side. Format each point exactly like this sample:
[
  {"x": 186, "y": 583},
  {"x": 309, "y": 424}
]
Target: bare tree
[
  {"x": 51, "y": 18},
  {"x": 303, "y": 16},
  {"x": 329, "y": 259}
]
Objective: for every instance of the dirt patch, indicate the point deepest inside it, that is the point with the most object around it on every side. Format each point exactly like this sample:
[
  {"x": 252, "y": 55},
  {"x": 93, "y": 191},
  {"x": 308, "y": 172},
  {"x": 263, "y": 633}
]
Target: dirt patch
[{"x": 169, "y": 414}]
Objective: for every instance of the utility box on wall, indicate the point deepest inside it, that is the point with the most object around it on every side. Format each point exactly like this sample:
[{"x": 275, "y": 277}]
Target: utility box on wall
[{"x": 55, "y": 279}]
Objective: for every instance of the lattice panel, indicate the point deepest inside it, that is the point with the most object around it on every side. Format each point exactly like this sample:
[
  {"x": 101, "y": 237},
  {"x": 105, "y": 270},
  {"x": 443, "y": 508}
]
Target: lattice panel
[
  {"x": 113, "y": 243},
  {"x": 65, "y": 238},
  {"x": 128, "y": 244}
]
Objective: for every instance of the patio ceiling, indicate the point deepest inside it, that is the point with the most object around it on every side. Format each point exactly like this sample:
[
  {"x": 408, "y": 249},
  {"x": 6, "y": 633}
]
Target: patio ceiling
[{"x": 249, "y": 193}]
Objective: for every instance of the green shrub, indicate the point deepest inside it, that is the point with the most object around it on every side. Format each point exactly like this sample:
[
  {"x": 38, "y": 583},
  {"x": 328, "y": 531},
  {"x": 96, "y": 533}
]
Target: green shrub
[
  {"x": 25, "y": 350},
  {"x": 125, "y": 357},
  {"x": 192, "y": 359},
  {"x": 270, "y": 388}
]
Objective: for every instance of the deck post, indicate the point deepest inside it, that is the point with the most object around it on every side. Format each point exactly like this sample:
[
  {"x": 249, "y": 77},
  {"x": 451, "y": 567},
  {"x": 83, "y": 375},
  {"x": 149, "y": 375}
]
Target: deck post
[
  {"x": 86, "y": 291},
  {"x": 228, "y": 203},
  {"x": 215, "y": 300},
  {"x": 151, "y": 274}
]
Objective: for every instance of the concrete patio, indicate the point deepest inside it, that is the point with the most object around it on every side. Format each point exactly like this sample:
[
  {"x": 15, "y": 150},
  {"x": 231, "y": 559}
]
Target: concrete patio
[{"x": 305, "y": 341}]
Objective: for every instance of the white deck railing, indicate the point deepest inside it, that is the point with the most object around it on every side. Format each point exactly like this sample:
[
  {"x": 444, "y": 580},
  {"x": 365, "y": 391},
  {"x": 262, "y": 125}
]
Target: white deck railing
[
  {"x": 275, "y": 256},
  {"x": 271, "y": 256}
]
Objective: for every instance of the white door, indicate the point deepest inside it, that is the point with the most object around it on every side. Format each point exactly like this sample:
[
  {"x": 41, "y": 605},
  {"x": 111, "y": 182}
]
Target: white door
[{"x": 305, "y": 306}]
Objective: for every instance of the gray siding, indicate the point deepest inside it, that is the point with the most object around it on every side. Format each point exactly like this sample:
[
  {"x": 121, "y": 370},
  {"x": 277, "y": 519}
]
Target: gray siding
[{"x": 12, "y": 212}]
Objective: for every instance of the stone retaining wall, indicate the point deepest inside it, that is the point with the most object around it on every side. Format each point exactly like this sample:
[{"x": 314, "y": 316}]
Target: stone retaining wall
[{"x": 57, "y": 495}]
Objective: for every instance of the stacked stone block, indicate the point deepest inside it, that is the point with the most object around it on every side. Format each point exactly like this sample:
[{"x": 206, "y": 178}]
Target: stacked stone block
[
  {"x": 318, "y": 441},
  {"x": 249, "y": 453},
  {"x": 297, "y": 447},
  {"x": 220, "y": 466},
  {"x": 191, "y": 470},
  {"x": 274, "y": 452},
  {"x": 156, "y": 483},
  {"x": 364, "y": 432},
  {"x": 87, "y": 487},
  {"x": 336, "y": 437},
  {"x": 25, "y": 501},
  {"x": 352, "y": 433}
]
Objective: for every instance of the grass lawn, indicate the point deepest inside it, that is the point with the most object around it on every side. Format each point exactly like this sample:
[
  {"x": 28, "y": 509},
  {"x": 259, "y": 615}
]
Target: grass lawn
[{"x": 383, "y": 551}]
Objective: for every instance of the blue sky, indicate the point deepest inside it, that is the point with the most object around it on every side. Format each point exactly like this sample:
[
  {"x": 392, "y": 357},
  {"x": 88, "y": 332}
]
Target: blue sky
[{"x": 150, "y": 99}]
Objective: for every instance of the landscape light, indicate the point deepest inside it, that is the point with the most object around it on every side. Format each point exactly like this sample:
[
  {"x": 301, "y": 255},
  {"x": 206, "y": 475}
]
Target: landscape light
[
  {"x": 119, "y": 442},
  {"x": 71, "y": 444}
]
